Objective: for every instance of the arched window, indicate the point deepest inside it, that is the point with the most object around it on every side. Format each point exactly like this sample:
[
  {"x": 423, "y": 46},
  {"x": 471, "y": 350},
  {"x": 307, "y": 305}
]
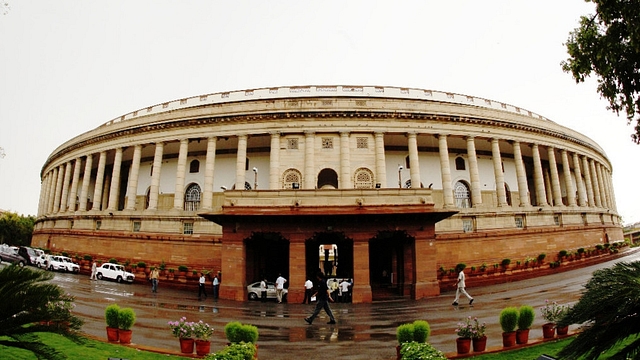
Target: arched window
[
  {"x": 460, "y": 163},
  {"x": 462, "y": 195},
  {"x": 194, "y": 167},
  {"x": 363, "y": 179},
  {"x": 327, "y": 179},
  {"x": 192, "y": 198},
  {"x": 291, "y": 177}
]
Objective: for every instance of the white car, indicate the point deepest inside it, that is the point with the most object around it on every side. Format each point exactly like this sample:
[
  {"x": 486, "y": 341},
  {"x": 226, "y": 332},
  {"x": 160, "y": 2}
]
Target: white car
[
  {"x": 62, "y": 263},
  {"x": 255, "y": 292},
  {"x": 114, "y": 272},
  {"x": 42, "y": 261}
]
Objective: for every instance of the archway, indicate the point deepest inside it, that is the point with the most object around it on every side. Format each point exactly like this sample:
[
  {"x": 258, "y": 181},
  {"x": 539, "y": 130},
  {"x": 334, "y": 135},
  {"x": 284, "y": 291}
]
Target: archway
[
  {"x": 330, "y": 252},
  {"x": 267, "y": 255},
  {"x": 327, "y": 179},
  {"x": 391, "y": 264}
]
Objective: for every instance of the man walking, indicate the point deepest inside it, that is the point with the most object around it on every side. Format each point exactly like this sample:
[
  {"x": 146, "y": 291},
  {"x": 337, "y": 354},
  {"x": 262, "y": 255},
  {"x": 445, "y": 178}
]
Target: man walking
[
  {"x": 461, "y": 287},
  {"x": 201, "y": 289},
  {"x": 280, "y": 287},
  {"x": 154, "y": 279},
  {"x": 323, "y": 296},
  {"x": 216, "y": 286},
  {"x": 308, "y": 291}
]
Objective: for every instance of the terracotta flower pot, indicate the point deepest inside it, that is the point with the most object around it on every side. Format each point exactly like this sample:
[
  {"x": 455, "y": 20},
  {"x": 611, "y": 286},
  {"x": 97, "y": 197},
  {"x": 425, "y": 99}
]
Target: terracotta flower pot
[
  {"x": 548, "y": 330},
  {"x": 125, "y": 336},
  {"x": 564, "y": 330},
  {"x": 479, "y": 344},
  {"x": 203, "y": 347},
  {"x": 186, "y": 345},
  {"x": 508, "y": 339},
  {"x": 112, "y": 334},
  {"x": 522, "y": 336},
  {"x": 463, "y": 345}
]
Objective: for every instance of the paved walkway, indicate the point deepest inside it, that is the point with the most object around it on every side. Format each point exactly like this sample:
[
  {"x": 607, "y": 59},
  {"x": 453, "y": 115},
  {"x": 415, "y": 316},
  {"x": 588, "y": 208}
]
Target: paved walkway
[{"x": 364, "y": 331}]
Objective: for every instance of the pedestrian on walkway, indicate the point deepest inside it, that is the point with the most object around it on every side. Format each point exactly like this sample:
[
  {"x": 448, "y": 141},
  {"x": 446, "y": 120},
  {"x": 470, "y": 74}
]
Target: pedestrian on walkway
[
  {"x": 153, "y": 276},
  {"x": 216, "y": 286},
  {"x": 308, "y": 291},
  {"x": 344, "y": 290},
  {"x": 94, "y": 270},
  {"x": 461, "y": 287},
  {"x": 280, "y": 287},
  {"x": 323, "y": 296},
  {"x": 201, "y": 289},
  {"x": 263, "y": 290}
]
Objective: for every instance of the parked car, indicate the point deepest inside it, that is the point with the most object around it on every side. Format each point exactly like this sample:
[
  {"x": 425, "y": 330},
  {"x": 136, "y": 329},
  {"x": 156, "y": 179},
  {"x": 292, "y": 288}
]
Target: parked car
[
  {"x": 42, "y": 261},
  {"x": 114, "y": 272},
  {"x": 255, "y": 292},
  {"x": 10, "y": 254},
  {"x": 62, "y": 263},
  {"x": 28, "y": 254}
]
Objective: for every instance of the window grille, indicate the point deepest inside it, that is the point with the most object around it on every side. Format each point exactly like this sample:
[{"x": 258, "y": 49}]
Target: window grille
[
  {"x": 462, "y": 195},
  {"x": 362, "y": 143},
  {"x": 192, "y": 198},
  {"x": 327, "y": 143},
  {"x": 290, "y": 177},
  {"x": 292, "y": 143},
  {"x": 187, "y": 228},
  {"x": 363, "y": 179}
]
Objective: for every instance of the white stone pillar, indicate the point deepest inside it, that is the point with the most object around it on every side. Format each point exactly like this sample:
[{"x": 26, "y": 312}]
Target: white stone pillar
[
  {"x": 594, "y": 181},
  {"x": 241, "y": 162},
  {"x": 44, "y": 194},
  {"x": 414, "y": 162},
  {"x": 497, "y": 172},
  {"x": 309, "y": 160},
  {"x": 154, "y": 189},
  {"x": 97, "y": 192},
  {"x": 612, "y": 191},
  {"x": 207, "y": 193},
  {"x": 52, "y": 190},
  {"x": 582, "y": 194},
  {"x": 274, "y": 162},
  {"x": 73, "y": 193},
  {"x": 603, "y": 191},
  {"x": 178, "y": 197},
  {"x": 132, "y": 188},
  {"x": 474, "y": 174},
  {"x": 345, "y": 162},
  {"x": 555, "y": 178},
  {"x": 114, "y": 191},
  {"x": 56, "y": 204},
  {"x": 538, "y": 177},
  {"x": 64, "y": 198},
  {"x": 587, "y": 180},
  {"x": 86, "y": 180},
  {"x": 547, "y": 185},
  {"x": 445, "y": 170},
  {"x": 566, "y": 169},
  {"x": 521, "y": 175},
  {"x": 381, "y": 168}
]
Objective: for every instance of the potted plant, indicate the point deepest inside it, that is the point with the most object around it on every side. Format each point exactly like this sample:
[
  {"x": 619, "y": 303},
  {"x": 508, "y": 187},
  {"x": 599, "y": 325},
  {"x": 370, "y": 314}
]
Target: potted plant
[
  {"x": 417, "y": 333},
  {"x": 464, "y": 332},
  {"x": 478, "y": 336},
  {"x": 183, "y": 330},
  {"x": 241, "y": 333},
  {"x": 508, "y": 323},
  {"x": 202, "y": 332},
  {"x": 526, "y": 315},
  {"x": 551, "y": 312},
  {"x": 126, "y": 319},
  {"x": 416, "y": 350},
  {"x": 111, "y": 316},
  {"x": 404, "y": 334},
  {"x": 421, "y": 331}
]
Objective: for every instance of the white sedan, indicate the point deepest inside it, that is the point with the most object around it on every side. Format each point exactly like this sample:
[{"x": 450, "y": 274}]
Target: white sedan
[
  {"x": 255, "y": 292},
  {"x": 114, "y": 272},
  {"x": 62, "y": 263}
]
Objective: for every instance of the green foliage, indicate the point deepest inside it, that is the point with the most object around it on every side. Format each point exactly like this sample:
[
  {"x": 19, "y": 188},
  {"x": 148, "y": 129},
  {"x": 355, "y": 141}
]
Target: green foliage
[
  {"x": 126, "y": 318},
  {"x": 526, "y": 315},
  {"x": 112, "y": 316},
  {"x": 461, "y": 266},
  {"x": 505, "y": 262},
  {"x": 237, "y": 332},
  {"x": 414, "y": 350},
  {"x": 404, "y": 333},
  {"x": 29, "y": 303},
  {"x": 562, "y": 253},
  {"x": 142, "y": 264},
  {"x": 421, "y": 331},
  {"x": 235, "y": 351},
  {"x": 609, "y": 304},
  {"x": 113, "y": 261},
  {"x": 541, "y": 256},
  {"x": 183, "y": 268},
  {"x": 608, "y": 45},
  {"x": 162, "y": 265},
  {"x": 16, "y": 230},
  {"x": 509, "y": 319},
  {"x": 87, "y": 257}
]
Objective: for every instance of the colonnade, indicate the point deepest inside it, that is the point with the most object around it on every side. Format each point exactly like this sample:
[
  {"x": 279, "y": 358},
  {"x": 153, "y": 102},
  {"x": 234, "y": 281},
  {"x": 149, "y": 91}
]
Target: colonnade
[{"x": 64, "y": 183}]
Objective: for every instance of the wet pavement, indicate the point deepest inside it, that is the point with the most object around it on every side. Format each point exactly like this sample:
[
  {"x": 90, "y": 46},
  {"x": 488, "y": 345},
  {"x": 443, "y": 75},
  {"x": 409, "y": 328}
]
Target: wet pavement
[{"x": 363, "y": 331}]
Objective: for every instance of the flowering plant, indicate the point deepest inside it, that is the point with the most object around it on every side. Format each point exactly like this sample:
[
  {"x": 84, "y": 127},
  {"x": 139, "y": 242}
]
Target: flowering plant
[
  {"x": 182, "y": 329},
  {"x": 202, "y": 330},
  {"x": 465, "y": 328},
  {"x": 478, "y": 329},
  {"x": 552, "y": 312}
]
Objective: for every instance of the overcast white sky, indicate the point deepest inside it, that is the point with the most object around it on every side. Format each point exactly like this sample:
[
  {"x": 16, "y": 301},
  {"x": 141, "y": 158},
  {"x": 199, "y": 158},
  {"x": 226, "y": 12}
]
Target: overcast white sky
[{"x": 68, "y": 66}]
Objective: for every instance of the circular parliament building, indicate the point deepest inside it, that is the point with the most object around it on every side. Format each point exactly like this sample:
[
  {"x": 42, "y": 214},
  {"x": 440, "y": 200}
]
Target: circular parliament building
[{"x": 383, "y": 185}]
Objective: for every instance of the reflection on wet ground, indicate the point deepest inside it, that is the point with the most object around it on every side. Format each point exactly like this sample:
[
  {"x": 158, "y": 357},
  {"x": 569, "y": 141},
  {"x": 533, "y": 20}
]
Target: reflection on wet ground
[{"x": 364, "y": 331}]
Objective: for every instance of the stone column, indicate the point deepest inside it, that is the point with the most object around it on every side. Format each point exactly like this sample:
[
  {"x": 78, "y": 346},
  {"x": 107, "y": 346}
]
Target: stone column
[
  {"x": 345, "y": 162},
  {"x": 44, "y": 194},
  {"x": 64, "y": 198},
  {"x": 594, "y": 181},
  {"x": 521, "y": 175},
  {"x": 566, "y": 169},
  {"x": 154, "y": 189},
  {"x": 603, "y": 188},
  {"x": 97, "y": 191},
  {"x": 555, "y": 178},
  {"x": 73, "y": 193},
  {"x": 474, "y": 174},
  {"x": 587, "y": 179},
  {"x": 414, "y": 162},
  {"x": 114, "y": 191},
  {"x": 297, "y": 271},
  {"x": 207, "y": 192},
  {"x": 309, "y": 160},
  {"x": 178, "y": 197},
  {"x": 132, "y": 190},
  {"x": 582, "y": 194},
  {"x": 361, "y": 277},
  {"x": 241, "y": 162},
  {"x": 612, "y": 191},
  {"x": 445, "y": 169},
  {"x": 538, "y": 177},
  {"x": 86, "y": 180},
  {"x": 274, "y": 162},
  {"x": 43, "y": 181},
  {"x": 498, "y": 174},
  {"x": 426, "y": 279},
  {"x": 381, "y": 168},
  {"x": 58, "y": 193},
  {"x": 548, "y": 186}
]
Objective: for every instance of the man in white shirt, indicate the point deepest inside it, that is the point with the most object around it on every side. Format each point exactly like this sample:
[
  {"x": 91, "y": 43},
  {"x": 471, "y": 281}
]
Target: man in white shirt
[
  {"x": 280, "y": 287},
  {"x": 263, "y": 290},
  {"x": 308, "y": 291},
  {"x": 460, "y": 288},
  {"x": 344, "y": 289}
]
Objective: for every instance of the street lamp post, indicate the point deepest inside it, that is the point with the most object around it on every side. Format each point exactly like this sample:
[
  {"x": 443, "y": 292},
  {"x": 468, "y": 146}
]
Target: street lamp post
[
  {"x": 255, "y": 178},
  {"x": 400, "y": 176}
]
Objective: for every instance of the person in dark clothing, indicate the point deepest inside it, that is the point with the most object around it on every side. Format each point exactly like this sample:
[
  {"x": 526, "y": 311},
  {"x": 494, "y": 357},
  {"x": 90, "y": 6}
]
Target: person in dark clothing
[
  {"x": 323, "y": 297},
  {"x": 201, "y": 290}
]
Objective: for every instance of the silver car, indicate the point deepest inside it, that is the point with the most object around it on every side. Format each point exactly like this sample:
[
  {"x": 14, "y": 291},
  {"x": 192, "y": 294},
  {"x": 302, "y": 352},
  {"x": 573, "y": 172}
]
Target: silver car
[{"x": 254, "y": 291}]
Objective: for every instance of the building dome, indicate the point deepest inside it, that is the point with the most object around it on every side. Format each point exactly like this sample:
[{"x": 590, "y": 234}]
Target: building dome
[{"x": 358, "y": 181}]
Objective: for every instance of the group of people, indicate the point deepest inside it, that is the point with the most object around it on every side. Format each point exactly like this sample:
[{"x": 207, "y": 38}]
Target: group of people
[{"x": 201, "y": 286}]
